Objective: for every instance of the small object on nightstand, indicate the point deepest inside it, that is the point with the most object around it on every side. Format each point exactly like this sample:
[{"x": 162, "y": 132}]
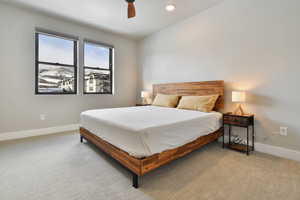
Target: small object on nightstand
[
  {"x": 140, "y": 104},
  {"x": 244, "y": 121}
]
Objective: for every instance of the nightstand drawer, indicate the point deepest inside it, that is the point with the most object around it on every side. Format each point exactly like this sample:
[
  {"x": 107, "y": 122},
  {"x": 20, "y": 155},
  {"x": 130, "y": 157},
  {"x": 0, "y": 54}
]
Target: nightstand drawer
[{"x": 234, "y": 120}]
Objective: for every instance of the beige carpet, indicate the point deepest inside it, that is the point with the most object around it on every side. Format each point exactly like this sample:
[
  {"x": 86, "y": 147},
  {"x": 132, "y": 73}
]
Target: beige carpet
[{"x": 59, "y": 167}]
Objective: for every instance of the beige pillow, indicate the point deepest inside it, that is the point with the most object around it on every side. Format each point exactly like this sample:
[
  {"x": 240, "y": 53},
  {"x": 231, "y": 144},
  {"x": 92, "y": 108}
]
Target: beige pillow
[
  {"x": 201, "y": 103},
  {"x": 166, "y": 100}
]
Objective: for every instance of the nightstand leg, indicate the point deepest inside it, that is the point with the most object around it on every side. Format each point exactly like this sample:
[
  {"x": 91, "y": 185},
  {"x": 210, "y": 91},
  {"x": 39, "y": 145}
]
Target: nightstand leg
[
  {"x": 248, "y": 140},
  {"x": 229, "y": 135},
  {"x": 253, "y": 138},
  {"x": 223, "y": 136}
]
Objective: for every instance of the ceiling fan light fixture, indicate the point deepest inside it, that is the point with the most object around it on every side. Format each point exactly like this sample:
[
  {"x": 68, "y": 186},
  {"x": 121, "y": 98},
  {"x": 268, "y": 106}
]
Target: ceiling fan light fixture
[{"x": 170, "y": 7}]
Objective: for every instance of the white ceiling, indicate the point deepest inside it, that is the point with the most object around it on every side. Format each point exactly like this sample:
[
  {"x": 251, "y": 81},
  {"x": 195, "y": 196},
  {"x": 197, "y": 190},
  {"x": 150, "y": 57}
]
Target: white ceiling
[{"x": 111, "y": 15}]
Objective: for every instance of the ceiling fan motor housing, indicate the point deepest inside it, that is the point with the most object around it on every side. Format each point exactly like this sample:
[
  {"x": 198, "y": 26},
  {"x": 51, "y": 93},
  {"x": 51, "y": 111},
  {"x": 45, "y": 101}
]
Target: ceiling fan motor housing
[{"x": 131, "y": 8}]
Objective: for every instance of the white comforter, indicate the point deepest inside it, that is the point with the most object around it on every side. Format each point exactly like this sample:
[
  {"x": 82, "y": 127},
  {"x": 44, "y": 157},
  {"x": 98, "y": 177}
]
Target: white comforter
[{"x": 147, "y": 130}]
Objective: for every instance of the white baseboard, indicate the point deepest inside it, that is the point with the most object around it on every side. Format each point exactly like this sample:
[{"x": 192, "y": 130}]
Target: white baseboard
[
  {"x": 278, "y": 151},
  {"x": 274, "y": 150},
  {"x": 37, "y": 132}
]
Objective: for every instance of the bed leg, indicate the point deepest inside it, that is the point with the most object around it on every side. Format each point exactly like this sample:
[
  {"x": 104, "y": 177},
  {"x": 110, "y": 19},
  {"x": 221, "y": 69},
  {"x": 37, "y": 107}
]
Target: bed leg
[
  {"x": 135, "y": 180},
  {"x": 81, "y": 138}
]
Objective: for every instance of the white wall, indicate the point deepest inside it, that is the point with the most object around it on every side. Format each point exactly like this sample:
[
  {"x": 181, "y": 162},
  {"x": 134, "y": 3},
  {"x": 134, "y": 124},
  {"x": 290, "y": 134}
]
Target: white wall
[
  {"x": 252, "y": 45},
  {"x": 19, "y": 107}
]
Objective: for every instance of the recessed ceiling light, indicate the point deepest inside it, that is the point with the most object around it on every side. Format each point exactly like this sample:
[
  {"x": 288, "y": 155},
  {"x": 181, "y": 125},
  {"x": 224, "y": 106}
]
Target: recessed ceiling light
[{"x": 170, "y": 7}]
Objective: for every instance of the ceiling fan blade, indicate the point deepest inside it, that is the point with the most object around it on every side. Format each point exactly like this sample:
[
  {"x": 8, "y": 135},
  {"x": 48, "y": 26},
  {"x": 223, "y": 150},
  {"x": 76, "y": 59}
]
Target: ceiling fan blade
[{"x": 131, "y": 10}]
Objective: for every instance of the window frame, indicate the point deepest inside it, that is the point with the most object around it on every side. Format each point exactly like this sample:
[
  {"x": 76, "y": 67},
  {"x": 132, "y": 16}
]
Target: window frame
[
  {"x": 110, "y": 69},
  {"x": 37, "y": 62}
]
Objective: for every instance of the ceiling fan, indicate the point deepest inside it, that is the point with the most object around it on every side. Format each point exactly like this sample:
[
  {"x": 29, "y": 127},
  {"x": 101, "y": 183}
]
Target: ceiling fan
[{"x": 131, "y": 8}]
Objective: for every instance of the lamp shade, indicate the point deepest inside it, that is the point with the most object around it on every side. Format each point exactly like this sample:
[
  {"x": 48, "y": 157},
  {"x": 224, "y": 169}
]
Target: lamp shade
[
  {"x": 145, "y": 94},
  {"x": 238, "y": 96}
]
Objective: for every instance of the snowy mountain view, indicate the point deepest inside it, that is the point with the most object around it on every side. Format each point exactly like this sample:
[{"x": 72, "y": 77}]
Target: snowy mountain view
[
  {"x": 56, "y": 79},
  {"x": 57, "y": 71}
]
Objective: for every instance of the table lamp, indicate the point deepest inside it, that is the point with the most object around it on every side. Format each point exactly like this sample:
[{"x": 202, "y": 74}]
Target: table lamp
[
  {"x": 239, "y": 97},
  {"x": 146, "y": 96}
]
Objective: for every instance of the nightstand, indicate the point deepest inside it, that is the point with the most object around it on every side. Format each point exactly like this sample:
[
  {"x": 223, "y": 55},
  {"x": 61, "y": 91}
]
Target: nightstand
[
  {"x": 139, "y": 104},
  {"x": 244, "y": 121}
]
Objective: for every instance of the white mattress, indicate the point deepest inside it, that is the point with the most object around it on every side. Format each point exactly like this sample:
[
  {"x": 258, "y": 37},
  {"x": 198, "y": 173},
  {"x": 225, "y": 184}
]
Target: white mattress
[{"x": 147, "y": 130}]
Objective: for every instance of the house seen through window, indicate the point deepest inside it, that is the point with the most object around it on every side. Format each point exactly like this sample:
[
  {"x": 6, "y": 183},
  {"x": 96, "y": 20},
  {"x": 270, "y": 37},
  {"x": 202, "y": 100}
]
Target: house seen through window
[{"x": 97, "y": 68}]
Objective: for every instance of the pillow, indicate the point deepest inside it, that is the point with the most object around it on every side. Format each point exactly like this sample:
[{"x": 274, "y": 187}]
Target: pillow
[
  {"x": 201, "y": 103},
  {"x": 166, "y": 100}
]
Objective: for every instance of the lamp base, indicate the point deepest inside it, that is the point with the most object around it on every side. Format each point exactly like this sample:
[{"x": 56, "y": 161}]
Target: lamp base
[
  {"x": 147, "y": 101},
  {"x": 144, "y": 101},
  {"x": 239, "y": 110}
]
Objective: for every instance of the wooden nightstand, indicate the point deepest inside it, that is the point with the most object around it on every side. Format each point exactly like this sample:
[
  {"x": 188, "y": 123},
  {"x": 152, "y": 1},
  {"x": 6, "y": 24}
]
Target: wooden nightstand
[
  {"x": 139, "y": 104},
  {"x": 244, "y": 121}
]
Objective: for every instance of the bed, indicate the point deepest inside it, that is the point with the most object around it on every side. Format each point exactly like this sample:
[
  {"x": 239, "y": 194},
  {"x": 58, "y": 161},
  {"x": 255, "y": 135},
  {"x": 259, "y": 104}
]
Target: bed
[{"x": 145, "y": 138}]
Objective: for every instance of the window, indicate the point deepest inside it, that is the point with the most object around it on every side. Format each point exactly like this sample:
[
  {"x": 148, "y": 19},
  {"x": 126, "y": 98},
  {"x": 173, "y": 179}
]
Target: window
[
  {"x": 56, "y": 64},
  {"x": 98, "y": 67}
]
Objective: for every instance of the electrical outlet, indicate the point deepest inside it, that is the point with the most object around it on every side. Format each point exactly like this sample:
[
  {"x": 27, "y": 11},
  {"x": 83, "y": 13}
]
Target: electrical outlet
[
  {"x": 283, "y": 131},
  {"x": 42, "y": 117}
]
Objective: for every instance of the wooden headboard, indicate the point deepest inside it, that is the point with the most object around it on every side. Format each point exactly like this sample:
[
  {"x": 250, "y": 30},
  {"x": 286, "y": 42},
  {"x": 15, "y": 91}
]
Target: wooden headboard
[{"x": 193, "y": 89}]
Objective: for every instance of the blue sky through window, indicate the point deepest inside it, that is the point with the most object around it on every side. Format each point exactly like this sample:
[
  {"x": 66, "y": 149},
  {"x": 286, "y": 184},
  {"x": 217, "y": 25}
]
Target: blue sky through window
[
  {"x": 56, "y": 50},
  {"x": 96, "y": 56}
]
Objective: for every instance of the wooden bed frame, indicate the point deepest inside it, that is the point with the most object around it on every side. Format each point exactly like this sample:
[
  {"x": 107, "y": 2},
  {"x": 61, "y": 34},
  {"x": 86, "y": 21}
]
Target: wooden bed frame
[{"x": 141, "y": 166}]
